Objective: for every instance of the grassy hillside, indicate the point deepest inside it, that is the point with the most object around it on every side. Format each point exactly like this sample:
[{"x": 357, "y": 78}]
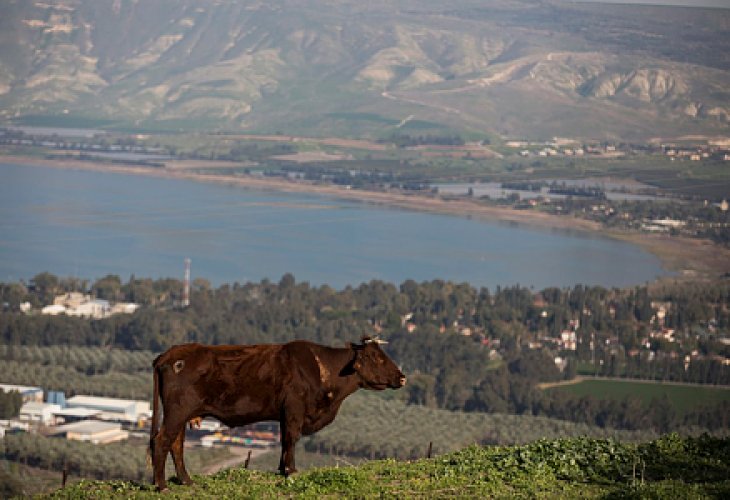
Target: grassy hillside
[
  {"x": 671, "y": 467},
  {"x": 387, "y": 429},
  {"x": 509, "y": 67}
]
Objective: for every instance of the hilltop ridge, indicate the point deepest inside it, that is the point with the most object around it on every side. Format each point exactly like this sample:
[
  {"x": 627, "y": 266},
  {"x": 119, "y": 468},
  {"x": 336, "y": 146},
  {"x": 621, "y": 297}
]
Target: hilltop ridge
[{"x": 510, "y": 68}]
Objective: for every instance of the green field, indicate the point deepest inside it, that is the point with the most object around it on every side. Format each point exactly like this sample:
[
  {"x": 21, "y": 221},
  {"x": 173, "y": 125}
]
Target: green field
[{"x": 683, "y": 397}]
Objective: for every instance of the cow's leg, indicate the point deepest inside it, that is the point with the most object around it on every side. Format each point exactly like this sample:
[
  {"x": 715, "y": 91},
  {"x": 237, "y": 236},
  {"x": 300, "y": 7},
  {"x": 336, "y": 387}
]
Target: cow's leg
[
  {"x": 159, "y": 457},
  {"x": 163, "y": 444},
  {"x": 291, "y": 429},
  {"x": 177, "y": 457}
]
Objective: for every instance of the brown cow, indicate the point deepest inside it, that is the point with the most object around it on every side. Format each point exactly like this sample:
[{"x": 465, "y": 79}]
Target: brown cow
[{"x": 300, "y": 384}]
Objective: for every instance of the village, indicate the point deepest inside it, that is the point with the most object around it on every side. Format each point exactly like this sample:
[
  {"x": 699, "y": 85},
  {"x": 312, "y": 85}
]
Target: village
[{"x": 658, "y": 341}]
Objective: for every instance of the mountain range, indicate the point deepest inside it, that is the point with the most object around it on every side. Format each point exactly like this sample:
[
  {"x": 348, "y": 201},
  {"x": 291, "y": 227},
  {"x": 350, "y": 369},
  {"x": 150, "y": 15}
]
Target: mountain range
[{"x": 529, "y": 69}]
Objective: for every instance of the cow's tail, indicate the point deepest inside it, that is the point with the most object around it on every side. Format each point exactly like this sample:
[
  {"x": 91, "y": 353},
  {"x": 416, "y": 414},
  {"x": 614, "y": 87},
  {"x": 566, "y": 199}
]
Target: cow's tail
[{"x": 155, "y": 427}]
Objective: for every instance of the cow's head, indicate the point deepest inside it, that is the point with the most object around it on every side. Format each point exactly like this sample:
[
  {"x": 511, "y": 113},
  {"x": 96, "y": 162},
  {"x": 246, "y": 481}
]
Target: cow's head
[{"x": 376, "y": 370}]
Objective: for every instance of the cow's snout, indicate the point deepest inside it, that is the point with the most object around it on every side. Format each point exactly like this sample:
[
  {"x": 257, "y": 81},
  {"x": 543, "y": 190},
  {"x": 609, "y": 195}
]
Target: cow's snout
[{"x": 399, "y": 381}]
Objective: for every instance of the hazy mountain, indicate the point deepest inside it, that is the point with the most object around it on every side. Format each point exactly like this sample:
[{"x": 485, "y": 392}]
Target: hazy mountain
[{"x": 515, "y": 68}]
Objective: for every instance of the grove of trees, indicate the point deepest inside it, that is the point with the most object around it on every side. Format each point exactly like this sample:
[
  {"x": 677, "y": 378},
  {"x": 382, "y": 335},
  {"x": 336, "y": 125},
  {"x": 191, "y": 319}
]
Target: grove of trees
[{"x": 10, "y": 403}]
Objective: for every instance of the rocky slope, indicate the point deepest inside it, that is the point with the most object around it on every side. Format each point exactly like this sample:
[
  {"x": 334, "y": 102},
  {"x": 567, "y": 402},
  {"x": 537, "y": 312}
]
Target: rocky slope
[{"x": 515, "y": 68}]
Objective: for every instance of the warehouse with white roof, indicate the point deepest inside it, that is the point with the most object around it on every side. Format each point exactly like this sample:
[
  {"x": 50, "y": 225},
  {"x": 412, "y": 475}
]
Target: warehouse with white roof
[{"x": 118, "y": 410}]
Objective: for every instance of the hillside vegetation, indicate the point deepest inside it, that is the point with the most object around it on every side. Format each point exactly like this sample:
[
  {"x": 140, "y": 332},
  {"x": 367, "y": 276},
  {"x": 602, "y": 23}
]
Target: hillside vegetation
[
  {"x": 535, "y": 69},
  {"x": 670, "y": 467},
  {"x": 387, "y": 429},
  {"x": 446, "y": 370}
]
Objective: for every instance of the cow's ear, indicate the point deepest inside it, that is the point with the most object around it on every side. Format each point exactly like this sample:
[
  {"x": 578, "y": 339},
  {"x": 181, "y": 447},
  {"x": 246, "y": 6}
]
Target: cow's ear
[{"x": 358, "y": 361}]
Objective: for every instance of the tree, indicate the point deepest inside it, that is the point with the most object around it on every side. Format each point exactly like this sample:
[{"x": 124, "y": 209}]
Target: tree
[
  {"x": 45, "y": 287},
  {"x": 13, "y": 294},
  {"x": 571, "y": 369},
  {"x": 140, "y": 291},
  {"x": 10, "y": 404},
  {"x": 535, "y": 365},
  {"x": 663, "y": 414},
  {"x": 420, "y": 389},
  {"x": 108, "y": 287}
]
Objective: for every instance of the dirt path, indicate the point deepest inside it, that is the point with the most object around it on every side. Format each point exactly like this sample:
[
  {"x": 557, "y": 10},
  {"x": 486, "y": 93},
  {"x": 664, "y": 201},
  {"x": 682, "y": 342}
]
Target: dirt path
[
  {"x": 240, "y": 455},
  {"x": 561, "y": 383},
  {"x": 584, "y": 378}
]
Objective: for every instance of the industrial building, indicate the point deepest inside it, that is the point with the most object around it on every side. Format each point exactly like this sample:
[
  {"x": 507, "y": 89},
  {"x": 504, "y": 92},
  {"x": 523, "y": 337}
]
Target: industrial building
[
  {"x": 68, "y": 415},
  {"x": 112, "y": 409},
  {"x": 92, "y": 431},
  {"x": 12, "y": 426},
  {"x": 38, "y": 412}
]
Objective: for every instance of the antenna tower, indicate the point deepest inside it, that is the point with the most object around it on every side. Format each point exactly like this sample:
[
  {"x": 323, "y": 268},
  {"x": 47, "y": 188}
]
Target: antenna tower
[{"x": 186, "y": 284}]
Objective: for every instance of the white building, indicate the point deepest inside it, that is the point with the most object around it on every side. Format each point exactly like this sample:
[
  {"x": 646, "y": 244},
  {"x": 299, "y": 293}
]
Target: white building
[
  {"x": 41, "y": 413},
  {"x": 92, "y": 431},
  {"x": 124, "y": 308},
  {"x": 68, "y": 415},
  {"x": 53, "y": 310},
  {"x": 12, "y": 426},
  {"x": 568, "y": 340},
  {"x": 71, "y": 299},
  {"x": 96, "y": 308},
  {"x": 79, "y": 304},
  {"x": 119, "y": 410}
]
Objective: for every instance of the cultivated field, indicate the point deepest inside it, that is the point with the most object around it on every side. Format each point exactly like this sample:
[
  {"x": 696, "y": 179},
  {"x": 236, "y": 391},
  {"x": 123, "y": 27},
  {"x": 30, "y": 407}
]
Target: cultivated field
[{"x": 683, "y": 397}]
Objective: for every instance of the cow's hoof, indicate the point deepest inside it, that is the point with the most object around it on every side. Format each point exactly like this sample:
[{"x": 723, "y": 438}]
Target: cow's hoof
[{"x": 287, "y": 472}]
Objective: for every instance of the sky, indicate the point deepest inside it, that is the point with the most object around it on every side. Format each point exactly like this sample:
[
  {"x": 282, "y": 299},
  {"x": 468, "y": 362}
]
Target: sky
[{"x": 689, "y": 3}]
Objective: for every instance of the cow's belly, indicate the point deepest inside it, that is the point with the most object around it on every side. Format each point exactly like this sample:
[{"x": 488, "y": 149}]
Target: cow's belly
[{"x": 245, "y": 410}]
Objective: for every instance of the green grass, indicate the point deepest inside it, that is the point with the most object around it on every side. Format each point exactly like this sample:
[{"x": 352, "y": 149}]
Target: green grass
[
  {"x": 37, "y": 461},
  {"x": 671, "y": 467},
  {"x": 269, "y": 461},
  {"x": 34, "y": 480},
  {"x": 683, "y": 397},
  {"x": 372, "y": 117}
]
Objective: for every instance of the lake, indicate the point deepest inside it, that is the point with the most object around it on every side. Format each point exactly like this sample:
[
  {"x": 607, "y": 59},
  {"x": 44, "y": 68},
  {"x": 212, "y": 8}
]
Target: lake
[{"x": 90, "y": 224}]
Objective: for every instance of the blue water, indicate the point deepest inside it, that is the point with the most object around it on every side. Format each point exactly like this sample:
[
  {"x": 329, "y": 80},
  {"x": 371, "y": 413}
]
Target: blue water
[{"x": 90, "y": 224}]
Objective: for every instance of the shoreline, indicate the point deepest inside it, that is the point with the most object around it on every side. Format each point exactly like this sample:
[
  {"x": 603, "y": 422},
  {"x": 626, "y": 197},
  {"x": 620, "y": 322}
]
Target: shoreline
[{"x": 690, "y": 258}]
